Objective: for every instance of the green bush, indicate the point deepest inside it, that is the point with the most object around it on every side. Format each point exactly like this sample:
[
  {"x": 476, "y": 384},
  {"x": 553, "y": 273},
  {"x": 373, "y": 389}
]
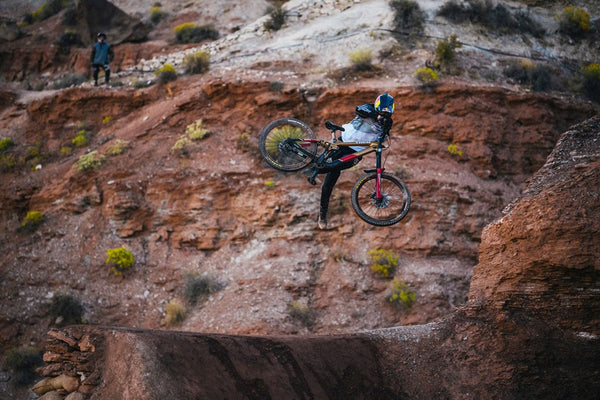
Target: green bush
[
  {"x": 117, "y": 147},
  {"x": 409, "y": 18},
  {"x": 454, "y": 150},
  {"x": 277, "y": 17},
  {"x": 6, "y": 143},
  {"x": 383, "y": 262},
  {"x": 195, "y": 130},
  {"x": 80, "y": 140},
  {"x": 401, "y": 295},
  {"x": 32, "y": 220},
  {"x": 302, "y": 313},
  {"x": 89, "y": 161},
  {"x": 574, "y": 22},
  {"x": 361, "y": 59},
  {"x": 48, "y": 9},
  {"x": 445, "y": 51},
  {"x": 175, "y": 313},
  {"x": 427, "y": 76},
  {"x": 156, "y": 14},
  {"x": 119, "y": 259},
  {"x": 198, "y": 288},
  {"x": 591, "y": 81},
  {"x": 66, "y": 310},
  {"x": 22, "y": 362},
  {"x": 525, "y": 72},
  {"x": 496, "y": 17},
  {"x": 196, "y": 63},
  {"x": 166, "y": 73},
  {"x": 181, "y": 145},
  {"x": 189, "y": 32}
]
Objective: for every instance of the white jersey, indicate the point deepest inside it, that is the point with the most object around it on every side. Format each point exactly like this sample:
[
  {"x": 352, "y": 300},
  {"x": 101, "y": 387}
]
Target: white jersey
[{"x": 361, "y": 130}]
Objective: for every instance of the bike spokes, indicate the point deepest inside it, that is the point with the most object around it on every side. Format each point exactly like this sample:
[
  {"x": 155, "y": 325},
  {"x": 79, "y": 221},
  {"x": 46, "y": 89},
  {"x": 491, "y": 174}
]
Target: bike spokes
[
  {"x": 387, "y": 209},
  {"x": 281, "y": 147}
]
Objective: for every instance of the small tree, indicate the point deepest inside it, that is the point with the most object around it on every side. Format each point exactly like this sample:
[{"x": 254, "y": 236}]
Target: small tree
[
  {"x": 408, "y": 16},
  {"x": 445, "y": 51},
  {"x": 189, "y": 32},
  {"x": 166, "y": 73},
  {"x": 276, "y": 20}
]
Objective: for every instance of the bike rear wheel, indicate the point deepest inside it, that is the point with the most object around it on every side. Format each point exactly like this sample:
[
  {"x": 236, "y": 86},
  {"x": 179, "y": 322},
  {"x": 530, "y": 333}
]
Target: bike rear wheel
[
  {"x": 388, "y": 210},
  {"x": 278, "y": 153}
]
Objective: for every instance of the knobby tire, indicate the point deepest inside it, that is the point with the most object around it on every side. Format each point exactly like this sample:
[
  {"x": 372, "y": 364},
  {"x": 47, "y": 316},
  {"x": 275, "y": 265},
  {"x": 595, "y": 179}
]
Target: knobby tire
[
  {"x": 275, "y": 154},
  {"x": 389, "y": 211}
]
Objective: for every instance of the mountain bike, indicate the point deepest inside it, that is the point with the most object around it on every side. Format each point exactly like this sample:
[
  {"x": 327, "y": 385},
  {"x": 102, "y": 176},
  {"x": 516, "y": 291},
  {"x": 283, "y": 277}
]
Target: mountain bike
[{"x": 378, "y": 198}]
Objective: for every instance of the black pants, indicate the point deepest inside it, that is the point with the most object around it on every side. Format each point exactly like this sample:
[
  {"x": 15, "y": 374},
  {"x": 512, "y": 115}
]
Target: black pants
[
  {"x": 332, "y": 176},
  {"x": 106, "y": 69}
]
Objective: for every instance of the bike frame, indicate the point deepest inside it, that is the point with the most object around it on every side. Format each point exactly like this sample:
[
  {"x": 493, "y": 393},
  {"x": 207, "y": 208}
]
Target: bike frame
[{"x": 371, "y": 147}]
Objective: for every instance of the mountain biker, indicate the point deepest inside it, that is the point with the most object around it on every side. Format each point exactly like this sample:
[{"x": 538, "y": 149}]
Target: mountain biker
[
  {"x": 371, "y": 121},
  {"x": 102, "y": 55}
]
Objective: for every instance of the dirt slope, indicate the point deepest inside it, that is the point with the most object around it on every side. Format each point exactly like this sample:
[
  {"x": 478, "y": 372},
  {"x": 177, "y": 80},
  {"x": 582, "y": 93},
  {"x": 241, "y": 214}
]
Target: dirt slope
[{"x": 501, "y": 345}]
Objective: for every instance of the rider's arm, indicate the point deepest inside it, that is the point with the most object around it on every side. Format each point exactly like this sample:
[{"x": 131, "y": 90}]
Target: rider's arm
[{"x": 366, "y": 111}]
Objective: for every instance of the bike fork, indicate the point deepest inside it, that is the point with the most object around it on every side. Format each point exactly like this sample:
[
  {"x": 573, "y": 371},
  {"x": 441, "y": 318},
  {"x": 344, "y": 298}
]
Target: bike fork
[{"x": 378, "y": 184}]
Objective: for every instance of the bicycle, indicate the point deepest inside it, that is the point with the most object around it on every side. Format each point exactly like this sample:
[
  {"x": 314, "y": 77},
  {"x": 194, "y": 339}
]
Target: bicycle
[{"x": 378, "y": 198}]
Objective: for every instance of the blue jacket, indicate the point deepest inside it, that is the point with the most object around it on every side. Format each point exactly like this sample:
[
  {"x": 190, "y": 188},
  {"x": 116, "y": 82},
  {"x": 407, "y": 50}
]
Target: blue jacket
[{"x": 102, "y": 53}]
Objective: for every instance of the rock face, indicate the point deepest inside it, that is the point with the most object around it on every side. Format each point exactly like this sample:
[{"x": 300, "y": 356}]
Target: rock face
[{"x": 529, "y": 330}]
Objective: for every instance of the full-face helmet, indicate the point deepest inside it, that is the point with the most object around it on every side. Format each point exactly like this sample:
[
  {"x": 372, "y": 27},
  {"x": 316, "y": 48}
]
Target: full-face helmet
[{"x": 384, "y": 104}]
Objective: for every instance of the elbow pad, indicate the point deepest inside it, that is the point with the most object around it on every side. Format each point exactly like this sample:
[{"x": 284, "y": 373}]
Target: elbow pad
[{"x": 366, "y": 111}]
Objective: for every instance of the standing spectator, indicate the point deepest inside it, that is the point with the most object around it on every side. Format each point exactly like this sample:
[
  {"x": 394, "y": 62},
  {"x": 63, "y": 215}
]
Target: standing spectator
[{"x": 102, "y": 55}]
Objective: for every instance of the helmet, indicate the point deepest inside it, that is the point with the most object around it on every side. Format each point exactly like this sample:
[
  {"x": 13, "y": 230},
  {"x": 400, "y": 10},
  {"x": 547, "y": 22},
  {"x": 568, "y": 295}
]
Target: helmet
[
  {"x": 384, "y": 104},
  {"x": 101, "y": 34}
]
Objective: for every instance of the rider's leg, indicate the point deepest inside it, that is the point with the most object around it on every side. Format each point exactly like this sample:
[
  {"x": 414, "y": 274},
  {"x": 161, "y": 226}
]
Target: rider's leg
[
  {"x": 95, "y": 74},
  {"x": 326, "y": 190}
]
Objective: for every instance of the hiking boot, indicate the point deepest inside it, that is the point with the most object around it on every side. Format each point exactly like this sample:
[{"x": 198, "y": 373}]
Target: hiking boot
[{"x": 322, "y": 223}]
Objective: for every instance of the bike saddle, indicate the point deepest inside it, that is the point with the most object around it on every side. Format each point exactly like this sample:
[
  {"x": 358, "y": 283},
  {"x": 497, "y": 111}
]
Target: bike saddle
[{"x": 333, "y": 127}]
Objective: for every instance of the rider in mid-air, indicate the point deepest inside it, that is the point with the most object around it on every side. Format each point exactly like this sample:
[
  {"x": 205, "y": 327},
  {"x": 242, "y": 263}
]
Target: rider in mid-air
[{"x": 371, "y": 121}]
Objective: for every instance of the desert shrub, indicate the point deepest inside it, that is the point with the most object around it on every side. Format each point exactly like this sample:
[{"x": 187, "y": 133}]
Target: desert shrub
[
  {"x": 408, "y": 16},
  {"x": 277, "y": 17},
  {"x": 32, "y": 220},
  {"x": 166, "y": 73},
  {"x": 190, "y": 32},
  {"x": 7, "y": 162},
  {"x": 493, "y": 16},
  {"x": 427, "y": 76},
  {"x": 591, "y": 81},
  {"x": 525, "y": 72},
  {"x": 276, "y": 86},
  {"x": 198, "y": 288},
  {"x": 175, "y": 313},
  {"x": 445, "y": 51},
  {"x": 156, "y": 14},
  {"x": 67, "y": 39},
  {"x": 48, "y": 9},
  {"x": 66, "y": 310},
  {"x": 195, "y": 130},
  {"x": 89, "y": 161},
  {"x": 117, "y": 147},
  {"x": 181, "y": 145},
  {"x": 196, "y": 63},
  {"x": 69, "y": 80},
  {"x": 401, "y": 295},
  {"x": 81, "y": 139},
  {"x": 574, "y": 22},
  {"x": 302, "y": 313},
  {"x": 454, "y": 150},
  {"x": 6, "y": 143},
  {"x": 106, "y": 119},
  {"x": 383, "y": 262},
  {"x": 119, "y": 259},
  {"x": 22, "y": 362},
  {"x": 270, "y": 183},
  {"x": 361, "y": 59},
  {"x": 242, "y": 142}
]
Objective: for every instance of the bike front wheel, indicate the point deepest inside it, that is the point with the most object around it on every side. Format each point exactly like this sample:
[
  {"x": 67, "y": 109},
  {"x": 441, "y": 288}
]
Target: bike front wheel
[
  {"x": 385, "y": 211},
  {"x": 276, "y": 149}
]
